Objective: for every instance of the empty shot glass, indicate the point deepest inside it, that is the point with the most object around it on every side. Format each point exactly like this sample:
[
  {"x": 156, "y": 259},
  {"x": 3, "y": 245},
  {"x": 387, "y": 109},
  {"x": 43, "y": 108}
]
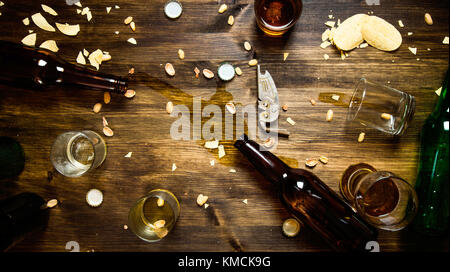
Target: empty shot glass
[
  {"x": 381, "y": 107},
  {"x": 76, "y": 152},
  {"x": 153, "y": 216}
]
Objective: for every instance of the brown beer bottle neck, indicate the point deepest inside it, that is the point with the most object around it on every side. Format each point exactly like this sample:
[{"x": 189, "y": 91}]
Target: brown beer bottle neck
[
  {"x": 31, "y": 67},
  {"x": 264, "y": 161}
]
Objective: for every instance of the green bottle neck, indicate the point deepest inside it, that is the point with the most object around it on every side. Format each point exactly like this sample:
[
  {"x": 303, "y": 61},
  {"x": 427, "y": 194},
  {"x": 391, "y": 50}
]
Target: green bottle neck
[{"x": 443, "y": 102}]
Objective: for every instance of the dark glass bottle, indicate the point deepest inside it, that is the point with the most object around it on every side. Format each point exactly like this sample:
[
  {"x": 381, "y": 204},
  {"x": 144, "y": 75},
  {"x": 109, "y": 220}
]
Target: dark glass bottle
[
  {"x": 432, "y": 184},
  {"x": 19, "y": 215},
  {"x": 33, "y": 67},
  {"x": 311, "y": 200},
  {"x": 12, "y": 158}
]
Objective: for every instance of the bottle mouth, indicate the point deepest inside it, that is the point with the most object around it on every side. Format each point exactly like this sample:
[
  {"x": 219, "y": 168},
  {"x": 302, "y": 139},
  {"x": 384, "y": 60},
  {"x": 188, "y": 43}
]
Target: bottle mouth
[{"x": 241, "y": 141}]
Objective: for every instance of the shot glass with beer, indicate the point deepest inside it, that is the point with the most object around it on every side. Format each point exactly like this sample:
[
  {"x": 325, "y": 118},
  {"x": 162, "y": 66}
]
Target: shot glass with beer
[{"x": 276, "y": 17}]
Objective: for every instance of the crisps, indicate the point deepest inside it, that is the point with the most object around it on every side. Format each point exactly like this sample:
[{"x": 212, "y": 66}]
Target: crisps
[
  {"x": 348, "y": 35},
  {"x": 380, "y": 34}
]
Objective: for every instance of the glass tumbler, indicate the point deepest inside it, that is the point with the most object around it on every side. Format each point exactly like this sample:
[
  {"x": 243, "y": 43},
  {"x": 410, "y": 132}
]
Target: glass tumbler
[
  {"x": 153, "y": 216},
  {"x": 383, "y": 199},
  {"x": 381, "y": 107},
  {"x": 275, "y": 17},
  {"x": 76, "y": 152}
]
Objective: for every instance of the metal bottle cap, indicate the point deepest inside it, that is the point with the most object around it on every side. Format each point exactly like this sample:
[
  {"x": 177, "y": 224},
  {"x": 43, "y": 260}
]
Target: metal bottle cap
[
  {"x": 173, "y": 9},
  {"x": 226, "y": 72},
  {"x": 94, "y": 197}
]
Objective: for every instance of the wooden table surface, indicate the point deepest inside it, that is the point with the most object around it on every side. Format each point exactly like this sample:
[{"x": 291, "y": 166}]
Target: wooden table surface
[{"x": 142, "y": 126}]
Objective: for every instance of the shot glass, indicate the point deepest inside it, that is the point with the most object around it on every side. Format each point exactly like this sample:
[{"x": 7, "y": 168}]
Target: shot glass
[
  {"x": 383, "y": 199},
  {"x": 153, "y": 216},
  {"x": 275, "y": 17},
  {"x": 76, "y": 152},
  {"x": 381, "y": 107}
]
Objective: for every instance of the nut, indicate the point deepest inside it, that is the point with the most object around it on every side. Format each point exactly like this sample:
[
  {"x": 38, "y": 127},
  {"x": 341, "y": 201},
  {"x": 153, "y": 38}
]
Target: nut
[
  {"x": 230, "y": 107},
  {"x": 169, "y": 107},
  {"x": 247, "y": 46},
  {"x": 269, "y": 142},
  {"x": 169, "y": 69},
  {"x": 128, "y": 20},
  {"x": 131, "y": 71},
  {"x": 223, "y": 8},
  {"x": 361, "y": 137},
  {"x": 130, "y": 93},
  {"x": 231, "y": 20},
  {"x": 196, "y": 71},
  {"x": 160, "y": 202},
  {"x": 323, "y": 159},
  {"x": 201, "y": 199},
  {"x": 208, "y": 73},
  {"x": 253, "y": 62},
  {"x": 313, "y": 102},
  {"x": 106, "y": 97},
  {"x": 133, "y": 26},
  {"x": 284, "y": 107},
  {"x": 329, "y": 115},
  {"x": 386, "y": 116},
  {"x": 108, "y": 132},
  {"x": 238, "y": 71},
  {"x": 52, "y": 203},
  {"x": 159, "y": 224},
  {"x": 311, "y": 162},
  {"x": 97, "y": 107},
  {"x": 181, "y": 53},
  {"x": 428, "y": 19}
]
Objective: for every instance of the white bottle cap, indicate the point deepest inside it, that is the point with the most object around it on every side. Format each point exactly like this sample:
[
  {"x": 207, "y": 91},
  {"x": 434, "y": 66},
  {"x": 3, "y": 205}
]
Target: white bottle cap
[
  {"x": 226, "y": 72},
  {"x": 173, "y": 9},
  {"x": 94, "y": 197}
]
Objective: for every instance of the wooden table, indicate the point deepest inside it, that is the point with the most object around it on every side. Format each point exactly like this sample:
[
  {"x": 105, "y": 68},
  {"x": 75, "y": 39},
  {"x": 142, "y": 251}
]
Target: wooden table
[{"x": 142, "y": 126}]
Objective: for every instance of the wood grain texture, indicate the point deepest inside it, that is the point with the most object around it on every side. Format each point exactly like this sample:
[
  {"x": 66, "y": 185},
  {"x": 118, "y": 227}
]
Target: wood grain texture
[{"x": 142, "y": 126}]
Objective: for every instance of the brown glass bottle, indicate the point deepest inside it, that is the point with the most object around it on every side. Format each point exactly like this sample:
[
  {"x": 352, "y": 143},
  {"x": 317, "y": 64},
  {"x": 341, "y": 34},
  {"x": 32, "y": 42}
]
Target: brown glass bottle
[
  {"x": 33, "y": 67},
  {"x": 311, "y": 200}
]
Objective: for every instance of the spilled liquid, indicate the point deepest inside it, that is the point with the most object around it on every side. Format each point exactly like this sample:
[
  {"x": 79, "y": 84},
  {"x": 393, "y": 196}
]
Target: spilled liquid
[{"x": 220, "y": 98}]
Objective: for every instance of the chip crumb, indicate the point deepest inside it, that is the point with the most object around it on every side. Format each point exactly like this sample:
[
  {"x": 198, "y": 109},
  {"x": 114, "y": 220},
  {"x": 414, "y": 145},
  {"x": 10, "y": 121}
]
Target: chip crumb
[
  {"x": 206, "y": 205},
  {"x": 400, "y": 23},
  {"x": 132, "y": 41},
  {"x": 26, "y": 21},
  {"x": 221, "y": 151},
  {"x": 245, "y": 201},
  {"x": 335, "y": 97},
  {"x": 174, "y": 167},
  {"x": 326, "y": 57},
  {"x": 290, "y": 121},
  {"x": 125, "y": 227},
  {"x": 323, "y": 159},
  {"x": 330, "y": 23},
  {"x": 232, "y": 171},
  {"x": 445, "y": 41},
  {"x": 363, "y": 45},
  {"x": 131, "y": 71},
  {"x": 413, "y": 50},
  {"x": 212, "y": 144},
  {"x": 201, "y": 199},
  {"x": 285, "y": 55},
  {"x": 128, "y": 155},
  {"x": 325, "y": 44},
  {"x": 108, "y": 9},
  {"x": 438, "y": 91},
  {"x": 410, "y": 33},
  {"x": 212, "y": 162}
]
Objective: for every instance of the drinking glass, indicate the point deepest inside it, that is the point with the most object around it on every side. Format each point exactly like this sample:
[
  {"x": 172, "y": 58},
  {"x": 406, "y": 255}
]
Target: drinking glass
[
  {"x": 383, "y": 199},
  {"x": 275, "y": 17},
  {"x": 381, "y": 107},
  {"x": 76, "y": 152},
  {"x": 153, "y": 216}
]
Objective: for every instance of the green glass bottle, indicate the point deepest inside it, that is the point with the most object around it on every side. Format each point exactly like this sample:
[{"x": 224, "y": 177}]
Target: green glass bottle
[{"x": 432, "y": 184}]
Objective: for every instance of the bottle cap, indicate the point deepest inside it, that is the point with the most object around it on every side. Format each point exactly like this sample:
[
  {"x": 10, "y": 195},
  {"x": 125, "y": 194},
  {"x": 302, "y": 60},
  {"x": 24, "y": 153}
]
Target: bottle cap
[
  {"x": 226, "y": 72},
  {"x": 173, "y": 9},
  {"x": 291, "y": 227},
  {"x": 94, "y": 197}
]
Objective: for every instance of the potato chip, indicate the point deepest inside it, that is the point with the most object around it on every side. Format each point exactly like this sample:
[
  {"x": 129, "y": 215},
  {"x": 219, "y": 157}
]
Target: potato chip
[
  {"x": 41, "y": 22},
  {"x": 348, "y": 35},
  {"x": 50, "y": 45},
  {"x": 380, "y": 34}
]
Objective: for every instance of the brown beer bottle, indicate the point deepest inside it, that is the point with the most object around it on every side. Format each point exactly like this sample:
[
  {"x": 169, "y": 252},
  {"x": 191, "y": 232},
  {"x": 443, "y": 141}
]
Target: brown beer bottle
[
  {"x": 33, "y": 67},
  {"x": 311, "y": 200}
]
